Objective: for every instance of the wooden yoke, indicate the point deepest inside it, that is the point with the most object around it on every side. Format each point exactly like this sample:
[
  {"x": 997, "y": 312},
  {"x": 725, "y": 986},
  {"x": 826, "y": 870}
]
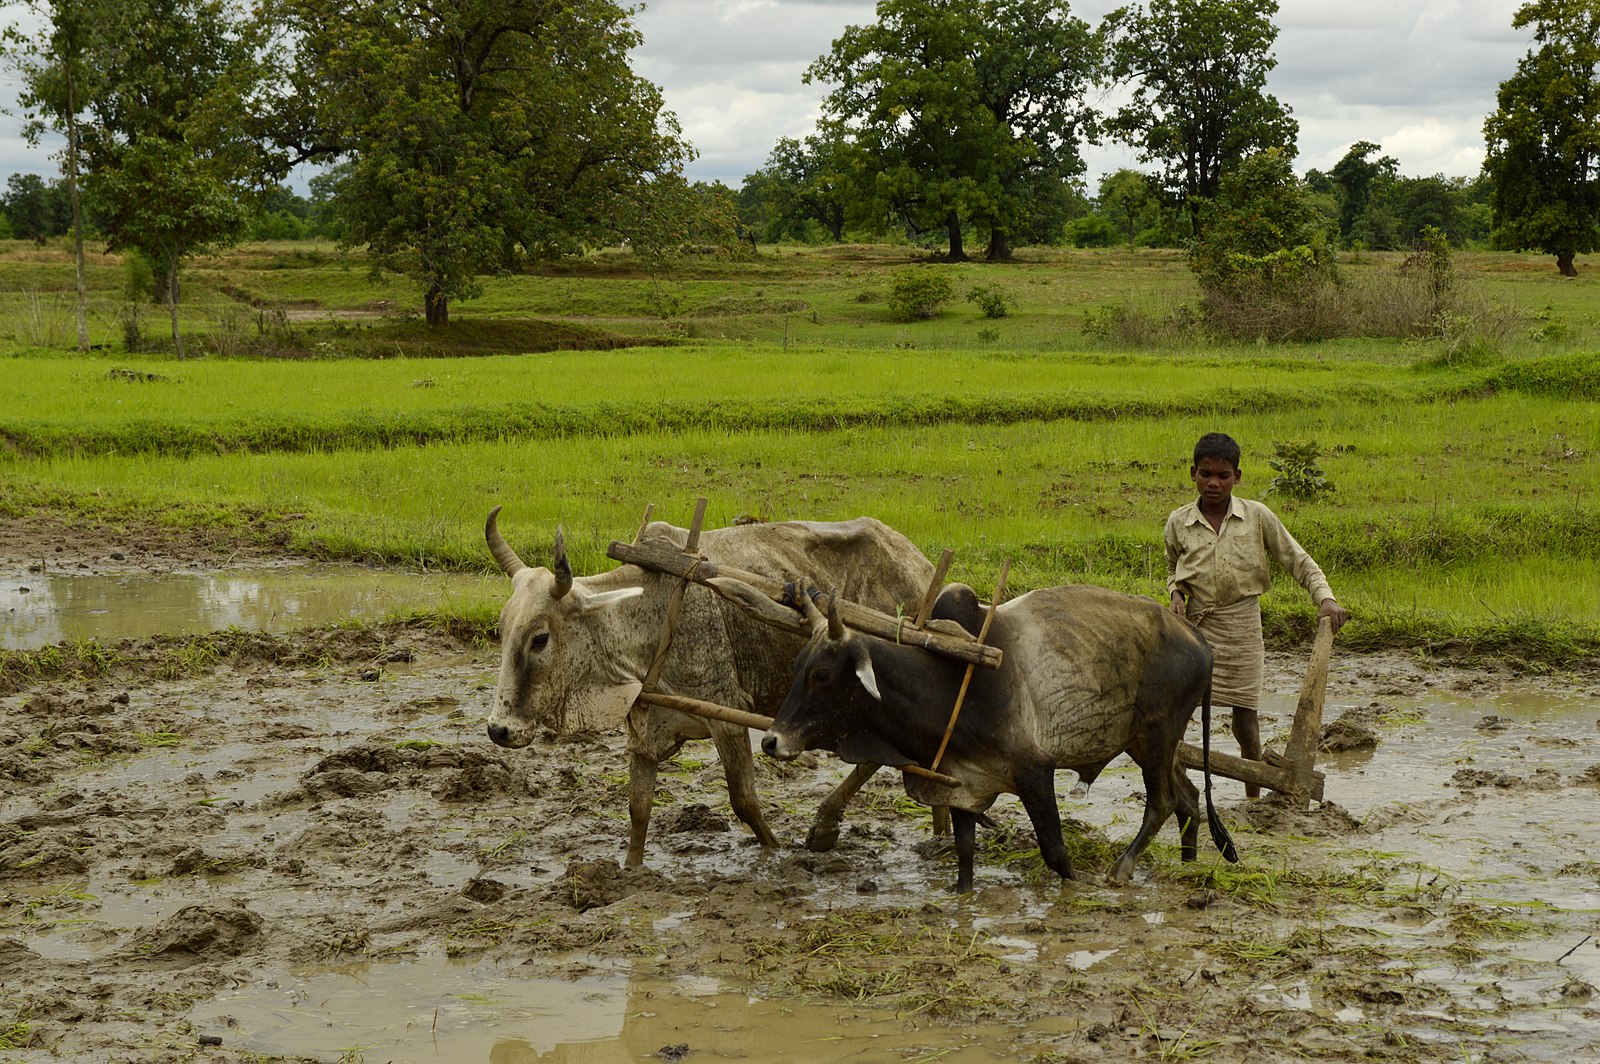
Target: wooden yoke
[{"x": 943, "y": 638}]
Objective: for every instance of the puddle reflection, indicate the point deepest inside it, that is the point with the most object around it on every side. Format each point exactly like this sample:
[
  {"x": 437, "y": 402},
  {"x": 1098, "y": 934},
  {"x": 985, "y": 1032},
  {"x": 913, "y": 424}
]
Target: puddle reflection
[
  {"x": 434, "y": 1009},
  {"x": 37, "y": 609}
]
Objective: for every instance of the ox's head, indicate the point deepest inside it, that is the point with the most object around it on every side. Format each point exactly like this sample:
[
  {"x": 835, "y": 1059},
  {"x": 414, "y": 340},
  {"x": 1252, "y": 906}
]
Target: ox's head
[
  {"x": 555, "y": 666},
  {"x": 834, "y": 697}
]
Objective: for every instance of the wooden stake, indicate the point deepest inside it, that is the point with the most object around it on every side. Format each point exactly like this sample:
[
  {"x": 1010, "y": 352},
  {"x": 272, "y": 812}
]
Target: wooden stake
[
  {"x": 966, "y": 678},
  {"x": 649, "y": 509}
]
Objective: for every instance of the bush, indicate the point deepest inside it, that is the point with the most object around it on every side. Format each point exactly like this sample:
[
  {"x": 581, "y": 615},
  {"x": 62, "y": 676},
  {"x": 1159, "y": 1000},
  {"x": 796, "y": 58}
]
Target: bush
[
  {"x": 1299, "y": 476},
  {"x": 1092, "y": 231},
  {"x": 990, "y": 299},
  {"x": 918, "y": 293}
]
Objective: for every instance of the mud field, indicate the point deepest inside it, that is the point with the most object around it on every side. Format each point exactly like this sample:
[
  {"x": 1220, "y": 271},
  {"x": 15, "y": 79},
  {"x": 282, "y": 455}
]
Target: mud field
[{"x": 303, "y": 847}]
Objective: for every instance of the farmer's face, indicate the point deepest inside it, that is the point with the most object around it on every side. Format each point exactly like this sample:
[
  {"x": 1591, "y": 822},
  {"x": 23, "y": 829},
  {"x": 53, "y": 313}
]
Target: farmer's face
[{"x": 1215, "y": 479}]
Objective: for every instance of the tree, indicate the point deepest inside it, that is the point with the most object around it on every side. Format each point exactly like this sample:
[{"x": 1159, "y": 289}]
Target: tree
[
  {"x": 1357, "y": 180},
  {"x": 963, "y": 109},
  {"x": 1264, "y": 250},
  {"x": 803, "y": 182},
  {"x": 480, "y": 133},
  {"x": 168, "y": 156},
  {"x": 1126, "y": 197},
  {"x": 58, "y": 78},
  {"x": 1544, "y": 136},
  {"x": 1198, "y": 69},
  {"x": 35, "y": 209}
]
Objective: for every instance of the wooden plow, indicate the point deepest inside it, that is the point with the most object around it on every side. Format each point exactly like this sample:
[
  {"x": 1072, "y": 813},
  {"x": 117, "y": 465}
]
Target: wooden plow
[
  {"x": 762, "y": 598},
  {"x": 1292, "y": 773}
]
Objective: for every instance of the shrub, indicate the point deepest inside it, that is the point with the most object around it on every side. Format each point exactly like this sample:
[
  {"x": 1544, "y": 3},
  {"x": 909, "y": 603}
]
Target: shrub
[
  {"x": 918, "y": 293},
  {"x": 1299, "y": 476},
  {"x": 990, "y": 299}
]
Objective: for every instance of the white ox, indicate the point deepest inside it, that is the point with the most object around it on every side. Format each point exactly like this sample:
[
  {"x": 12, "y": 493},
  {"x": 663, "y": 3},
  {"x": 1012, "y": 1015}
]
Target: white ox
[{"x": 575, "y": 652}]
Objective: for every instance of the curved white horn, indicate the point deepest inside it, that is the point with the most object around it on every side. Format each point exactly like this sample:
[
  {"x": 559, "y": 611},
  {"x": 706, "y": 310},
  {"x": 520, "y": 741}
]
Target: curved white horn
[{"x": 507, "y": 558}]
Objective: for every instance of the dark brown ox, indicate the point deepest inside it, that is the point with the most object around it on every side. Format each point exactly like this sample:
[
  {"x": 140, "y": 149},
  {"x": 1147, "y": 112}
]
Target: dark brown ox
[
  {"x": 1088, "y": 674},
  {"x": 575, "y": 652}
]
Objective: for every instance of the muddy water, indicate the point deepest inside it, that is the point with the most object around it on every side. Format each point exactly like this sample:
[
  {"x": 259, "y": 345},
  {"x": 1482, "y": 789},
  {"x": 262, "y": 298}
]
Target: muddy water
[
  {"x": 1506, "y": 848},
  {"x": 37, "y": 609}
]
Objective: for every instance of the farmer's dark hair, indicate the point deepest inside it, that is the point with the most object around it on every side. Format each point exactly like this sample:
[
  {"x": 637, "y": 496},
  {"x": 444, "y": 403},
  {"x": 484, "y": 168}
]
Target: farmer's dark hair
[{"x": 1217, "y": 445}]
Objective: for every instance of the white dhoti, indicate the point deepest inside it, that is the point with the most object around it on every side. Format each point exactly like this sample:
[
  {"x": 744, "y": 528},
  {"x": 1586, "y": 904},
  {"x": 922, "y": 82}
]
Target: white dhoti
[{"x": 1240, "y": 653}]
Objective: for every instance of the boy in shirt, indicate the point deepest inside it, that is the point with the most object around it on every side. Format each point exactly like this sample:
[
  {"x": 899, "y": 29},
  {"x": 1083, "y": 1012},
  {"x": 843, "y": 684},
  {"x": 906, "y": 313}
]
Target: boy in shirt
[{"x": 1217, "y": 549}]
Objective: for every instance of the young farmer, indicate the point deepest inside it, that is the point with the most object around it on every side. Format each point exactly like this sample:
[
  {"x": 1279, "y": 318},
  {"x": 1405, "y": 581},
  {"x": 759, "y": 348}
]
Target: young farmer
[{"x": 1217, "y": 550}]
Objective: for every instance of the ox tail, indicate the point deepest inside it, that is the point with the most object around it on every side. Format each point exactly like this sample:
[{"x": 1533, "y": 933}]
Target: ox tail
[{"x": 1219, "y": 830}]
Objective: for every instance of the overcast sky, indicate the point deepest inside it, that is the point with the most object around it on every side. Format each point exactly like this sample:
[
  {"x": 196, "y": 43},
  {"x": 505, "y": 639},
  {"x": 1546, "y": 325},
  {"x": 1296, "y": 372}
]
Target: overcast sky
[{"x": 1416, "y": 76}]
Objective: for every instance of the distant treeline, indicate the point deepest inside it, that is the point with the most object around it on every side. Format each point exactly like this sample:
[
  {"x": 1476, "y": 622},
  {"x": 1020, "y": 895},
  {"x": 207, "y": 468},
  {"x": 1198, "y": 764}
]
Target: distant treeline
[{"x": 32, "y": 208}]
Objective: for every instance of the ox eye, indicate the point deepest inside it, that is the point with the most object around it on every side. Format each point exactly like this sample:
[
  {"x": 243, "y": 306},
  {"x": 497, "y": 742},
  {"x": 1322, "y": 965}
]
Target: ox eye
[
  {"x": 540, "y": 641},
  {"x": 821, "y": 677}
]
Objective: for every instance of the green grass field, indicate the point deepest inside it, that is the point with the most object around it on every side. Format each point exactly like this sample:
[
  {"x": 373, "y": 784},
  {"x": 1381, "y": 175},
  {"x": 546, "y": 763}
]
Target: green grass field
[{"x": 1464, "y": 515}]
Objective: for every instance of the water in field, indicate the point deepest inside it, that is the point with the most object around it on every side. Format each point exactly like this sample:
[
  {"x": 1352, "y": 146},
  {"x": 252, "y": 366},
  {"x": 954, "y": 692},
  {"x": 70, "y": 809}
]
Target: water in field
[{"x": 37, "y": 609}]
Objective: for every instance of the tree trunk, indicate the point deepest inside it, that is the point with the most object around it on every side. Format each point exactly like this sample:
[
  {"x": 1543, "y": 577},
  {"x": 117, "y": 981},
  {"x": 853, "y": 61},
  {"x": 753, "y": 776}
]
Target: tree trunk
[
  {"x": 436, "y": 307},
  {"x": 958, "y": 253},
  {"x": 999, "y": 246},
  {"x": 77, "y": 212},
  {"x": 172, "y": 304},
  {"x": 1564, "y": 264}
]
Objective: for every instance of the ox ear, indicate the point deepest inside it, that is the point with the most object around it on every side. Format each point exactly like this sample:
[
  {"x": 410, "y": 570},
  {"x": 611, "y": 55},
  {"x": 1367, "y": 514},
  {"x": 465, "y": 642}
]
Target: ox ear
[
  {"x": 868, "y": 678},
  {"x": 599, "y": 600}
]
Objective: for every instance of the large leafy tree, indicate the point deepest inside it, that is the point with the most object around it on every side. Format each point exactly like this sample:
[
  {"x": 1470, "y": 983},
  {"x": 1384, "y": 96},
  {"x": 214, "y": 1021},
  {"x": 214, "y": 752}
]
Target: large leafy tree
[
  {"x": 1544, "y": 137},
  {"x": 152, "y": 96},
  {"x": 1359, "y": 181},
  {"x": 963, "y": 109},
  {"x": 1198, "y": 73},
  {"x": 479, "y": 133}
]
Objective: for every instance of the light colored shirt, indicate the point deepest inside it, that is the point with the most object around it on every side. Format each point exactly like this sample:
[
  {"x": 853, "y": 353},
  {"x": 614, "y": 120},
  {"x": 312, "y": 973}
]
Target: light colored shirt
[{"x": 1220, "y": 568}]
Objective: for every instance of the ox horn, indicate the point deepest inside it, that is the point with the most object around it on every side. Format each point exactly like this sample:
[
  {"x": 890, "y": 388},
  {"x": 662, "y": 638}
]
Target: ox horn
[
  {"x": 808, "y": 606},
  {"x": 561, "y": 567},
  {"x": 835, "y": 625},
  {"x": 510, "y": 564}
]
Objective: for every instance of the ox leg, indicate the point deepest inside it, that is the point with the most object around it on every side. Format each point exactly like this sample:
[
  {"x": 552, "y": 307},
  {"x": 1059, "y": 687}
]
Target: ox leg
[
  {"x": 739, "y": 770},
  {"x": 1158, "y": 805},
  {"x": 641, "y": 799},
  {"x": 1037, "y": 789},
  {"x": 824, "y": 832},
  {"x": 966, "y": 831},
  {"x": 1188, "y": 802}
]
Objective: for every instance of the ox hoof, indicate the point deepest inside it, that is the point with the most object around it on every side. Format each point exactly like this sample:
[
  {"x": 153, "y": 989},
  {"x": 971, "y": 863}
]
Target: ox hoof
[{"x": 821, "y": 839}]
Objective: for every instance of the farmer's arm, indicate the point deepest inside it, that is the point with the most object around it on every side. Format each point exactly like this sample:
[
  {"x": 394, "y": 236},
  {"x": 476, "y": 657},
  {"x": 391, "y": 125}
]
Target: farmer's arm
[{"x": 1307, "y": 573}]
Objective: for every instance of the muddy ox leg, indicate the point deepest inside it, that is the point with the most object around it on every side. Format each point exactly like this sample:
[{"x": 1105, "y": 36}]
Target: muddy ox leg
[
  {"x": 1037, "y": 789},
  {"x": 824, "y": 832},
  {"x": 1158, "y": 806},
  {"x": 641, "y": 799},
  {"x": 1188, "y": 802},
  {"x": 966, "y": 825},
  {"x": 739, "y": 769}
]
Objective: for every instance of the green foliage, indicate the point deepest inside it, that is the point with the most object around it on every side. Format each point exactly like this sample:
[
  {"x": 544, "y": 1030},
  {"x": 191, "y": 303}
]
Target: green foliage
[
  {"x": 1298, "y": 475},
  {"x": 919, "y": 292},
  {"x": 962, "y": 111},
  {"x": 1543, "y": 149},
  {"x": 1263, "y": 247},
  {"x": 991, "y": 299},
  {"x": 544, "y": 142},
  {"x": 1198, "y": 71},
  {"x": 1091, "y": 231}
]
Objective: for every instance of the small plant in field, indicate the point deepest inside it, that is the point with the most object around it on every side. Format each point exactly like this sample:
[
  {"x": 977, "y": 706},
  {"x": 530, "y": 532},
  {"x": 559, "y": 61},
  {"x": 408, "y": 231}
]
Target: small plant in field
[
  {"x": 1547, "y": 327},
  {"x": 1299, "y": 476},
  {"x": 990, "y": 299},
  {"x": 919, "y": 293}
]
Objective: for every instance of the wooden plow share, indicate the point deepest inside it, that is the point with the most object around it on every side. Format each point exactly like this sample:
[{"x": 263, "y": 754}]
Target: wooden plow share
[
  {"x": 1292, "y": 773},
  {"x": 762, "y": 598}
]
